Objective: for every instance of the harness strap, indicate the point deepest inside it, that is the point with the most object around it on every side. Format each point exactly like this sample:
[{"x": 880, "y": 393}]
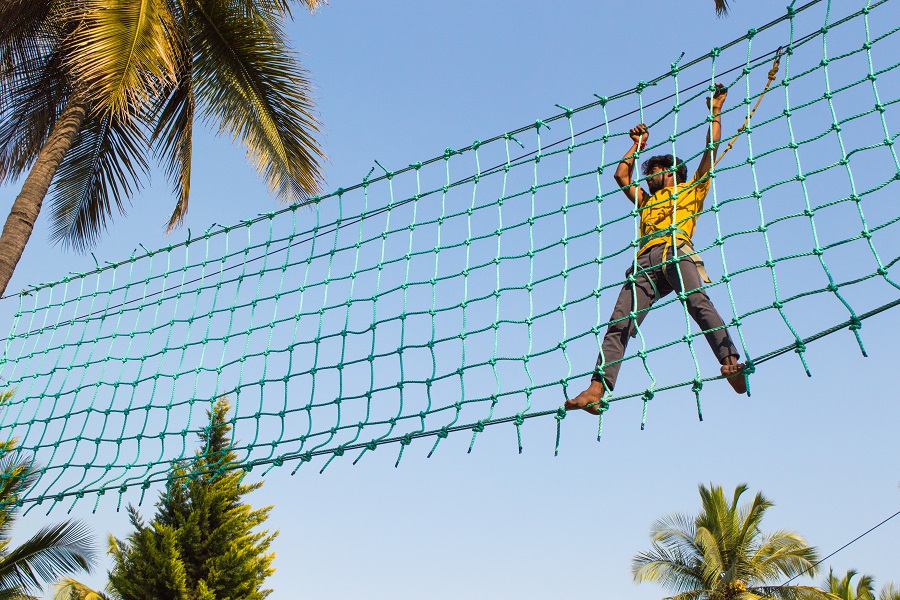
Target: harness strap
[
  {"x": 696, "y": 259},
  {"x": 690, "y": 254}
]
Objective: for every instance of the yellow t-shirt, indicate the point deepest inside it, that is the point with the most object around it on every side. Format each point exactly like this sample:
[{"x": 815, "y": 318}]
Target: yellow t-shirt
[{"x": 657, "y": 218}]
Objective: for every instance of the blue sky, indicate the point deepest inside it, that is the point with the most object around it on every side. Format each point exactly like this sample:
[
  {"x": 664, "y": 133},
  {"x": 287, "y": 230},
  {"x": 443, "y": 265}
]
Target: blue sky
[{"x": 400, "y": 81}]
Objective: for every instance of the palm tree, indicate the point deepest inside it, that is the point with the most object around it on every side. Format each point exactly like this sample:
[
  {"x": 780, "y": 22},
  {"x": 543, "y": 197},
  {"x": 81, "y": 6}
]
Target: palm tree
[
  {"x": 54, "y": 551},
  {"x": 722, "y": 554},
  {"x": 843, "y": 589},
  {"x": 90, "y": 90}
]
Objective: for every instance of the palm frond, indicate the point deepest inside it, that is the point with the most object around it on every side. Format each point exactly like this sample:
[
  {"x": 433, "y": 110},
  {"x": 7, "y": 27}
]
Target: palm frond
[
  {"x": 21, "y": 17},
  {"x": 123, "y": 52},
  {"x": 889, "y": 592},
  {"x": 674, "y": 529},
  {"x": 750, "y": 516},
  {"x": 714, "y": 554},
  {"x": 172, "y": 137},
  {"x": 865, "y": 589},
  {"x": 281, "y": 7},
  {"x": 34, "y": 92},
  {"x": 23, "y": 24},
  {"x": 784, "y": 554},
  {"x": 15, "y": 593},
  {"x": 70, "y": 589},
  {"x": 254, "y": 87},
  {"x": 792, "y": 592},
  {"x": 834, "y": 585},
  {"x": 844, "y": 588},
  {"x": 690, "y": 595},
  {"x": 103, "y": 168},
  {"x": 312, "y": 5},
  {"x": 17, "y": 475},
  {"x": 668, "y": 567},
  {"x": 717, "y": 515},
  {"x": 54, "y": 551}
]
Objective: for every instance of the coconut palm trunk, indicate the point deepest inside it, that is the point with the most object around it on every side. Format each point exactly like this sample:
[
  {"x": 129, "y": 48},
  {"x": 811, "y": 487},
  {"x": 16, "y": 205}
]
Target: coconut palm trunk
[{"x": 27, "y": 206}]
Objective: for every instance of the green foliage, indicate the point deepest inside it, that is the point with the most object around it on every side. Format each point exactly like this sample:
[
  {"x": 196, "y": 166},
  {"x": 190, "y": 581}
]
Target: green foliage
[
  {"x": 70, "y": 589},
  {"x": 845, "y": 590},
  {"x": 889, "y": 592},
  {"x": 202, "y": 543},
  {"x": 722, "y": 553},
  {"x": 55, "y": 550},
  {"x": 863, "y": 589},
  {"x": 146, "y": 72}
]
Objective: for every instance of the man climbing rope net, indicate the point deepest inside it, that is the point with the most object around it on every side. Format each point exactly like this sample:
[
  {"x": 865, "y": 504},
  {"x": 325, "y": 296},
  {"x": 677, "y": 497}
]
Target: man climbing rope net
[{"x": 669, "y": 212}]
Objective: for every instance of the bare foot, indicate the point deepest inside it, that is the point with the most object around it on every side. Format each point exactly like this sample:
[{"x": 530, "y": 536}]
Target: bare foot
[
  {"x": 591, "y": 396},
  {"x": 733, "y": 371}
]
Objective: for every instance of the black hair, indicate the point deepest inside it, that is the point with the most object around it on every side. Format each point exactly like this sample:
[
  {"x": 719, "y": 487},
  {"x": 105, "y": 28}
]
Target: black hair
[{"x": 665, "y": 162}]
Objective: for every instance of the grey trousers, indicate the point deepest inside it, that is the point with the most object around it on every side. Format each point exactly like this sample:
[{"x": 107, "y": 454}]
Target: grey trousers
[{"x": 657, "y": 281}]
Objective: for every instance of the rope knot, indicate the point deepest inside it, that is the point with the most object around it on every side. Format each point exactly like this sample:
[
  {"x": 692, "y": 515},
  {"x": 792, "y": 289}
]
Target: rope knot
[
  {"x": 855, "y": 323},
  {"x": 560, "y": 414},
  {"x": 478, "y": 427}
]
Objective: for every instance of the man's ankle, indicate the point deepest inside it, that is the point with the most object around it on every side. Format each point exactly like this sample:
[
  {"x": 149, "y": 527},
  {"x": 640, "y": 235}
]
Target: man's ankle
[{"x": 731, "y": 359}]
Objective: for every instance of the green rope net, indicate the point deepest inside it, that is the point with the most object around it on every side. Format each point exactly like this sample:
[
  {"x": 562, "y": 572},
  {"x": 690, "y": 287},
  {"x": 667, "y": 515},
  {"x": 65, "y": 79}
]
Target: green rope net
[{"x": 472, "y": 289}]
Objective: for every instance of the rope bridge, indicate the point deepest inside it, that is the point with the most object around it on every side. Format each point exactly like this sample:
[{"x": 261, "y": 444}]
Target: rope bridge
[{"x": 473, "y": 289}]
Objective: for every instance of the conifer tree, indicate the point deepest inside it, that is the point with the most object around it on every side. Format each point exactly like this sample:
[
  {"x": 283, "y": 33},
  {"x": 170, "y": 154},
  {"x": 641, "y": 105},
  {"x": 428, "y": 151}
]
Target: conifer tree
[{"x": 203, "y": 543}]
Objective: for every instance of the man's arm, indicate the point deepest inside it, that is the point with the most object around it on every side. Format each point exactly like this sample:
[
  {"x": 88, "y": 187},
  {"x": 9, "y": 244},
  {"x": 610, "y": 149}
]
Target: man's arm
[
  {"x": 634, "y": 191},
  {"x": 714, "y": 133}
]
